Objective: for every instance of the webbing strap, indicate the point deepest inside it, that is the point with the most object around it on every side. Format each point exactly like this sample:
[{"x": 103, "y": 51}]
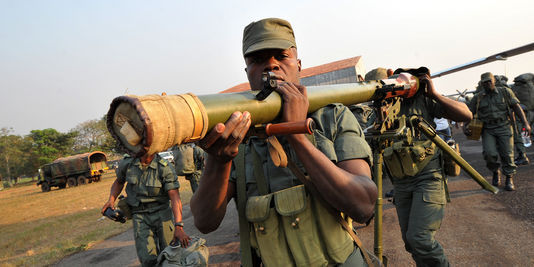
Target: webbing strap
[
  {"x": 278, "y": 155},
  {"x": 261, "y": 182},
  {"x": 244, "y": 228}
]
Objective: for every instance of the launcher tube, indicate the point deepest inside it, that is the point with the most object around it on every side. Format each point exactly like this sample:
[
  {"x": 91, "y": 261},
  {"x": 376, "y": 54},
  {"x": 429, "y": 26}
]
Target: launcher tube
[{"x": 154, "y": 123}]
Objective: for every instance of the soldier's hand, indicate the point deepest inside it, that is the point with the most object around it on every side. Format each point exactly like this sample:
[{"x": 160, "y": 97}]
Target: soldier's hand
[
  {"x": 528, "y": 129},
  {"x": 223, "y": 140},
  {"x": 108, "y": 204},
  {"x": 294, "y": 101},
  {"x": 466, "y": 130},
  {"x": 427, "y": 81},
  {"x": 180, "y": 236}
]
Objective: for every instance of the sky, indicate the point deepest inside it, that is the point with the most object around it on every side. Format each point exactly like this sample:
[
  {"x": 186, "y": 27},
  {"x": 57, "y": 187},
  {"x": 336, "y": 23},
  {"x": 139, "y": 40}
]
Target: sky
[{"x": 63, "y": 62}]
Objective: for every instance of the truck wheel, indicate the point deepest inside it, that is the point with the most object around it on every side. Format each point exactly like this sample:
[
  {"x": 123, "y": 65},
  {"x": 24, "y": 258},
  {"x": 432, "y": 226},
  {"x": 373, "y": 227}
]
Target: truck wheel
[
  {"x": 71, "y": 182},
  {"x": 45, "y": 187},
  {"x": 81, "y": 180},
  {"x": 61, "y": 186}
]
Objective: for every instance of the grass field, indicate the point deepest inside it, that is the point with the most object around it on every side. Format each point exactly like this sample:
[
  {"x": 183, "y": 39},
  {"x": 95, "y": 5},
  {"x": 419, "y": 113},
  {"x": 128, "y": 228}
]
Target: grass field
[{"x": 38, "y": 229}]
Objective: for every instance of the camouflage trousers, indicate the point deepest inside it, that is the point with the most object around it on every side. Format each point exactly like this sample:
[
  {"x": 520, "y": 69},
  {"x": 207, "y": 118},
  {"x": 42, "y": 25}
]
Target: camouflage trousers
[
  {"x": 499, "y": 142},
  {"x": 420, "y": 204},
  {"x": 152, "y": 233}
]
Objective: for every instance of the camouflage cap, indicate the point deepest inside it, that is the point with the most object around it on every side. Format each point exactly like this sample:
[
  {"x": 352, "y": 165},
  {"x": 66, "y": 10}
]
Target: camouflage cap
[
  {"x": 271, "y": 33},
  {"x": 376, "y": 74},
  {"x": 487, "y": 76}
]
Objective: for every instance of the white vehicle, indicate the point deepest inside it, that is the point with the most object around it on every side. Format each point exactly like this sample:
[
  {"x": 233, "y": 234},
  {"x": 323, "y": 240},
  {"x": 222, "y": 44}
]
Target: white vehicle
[{"x": 167, "y": 155}]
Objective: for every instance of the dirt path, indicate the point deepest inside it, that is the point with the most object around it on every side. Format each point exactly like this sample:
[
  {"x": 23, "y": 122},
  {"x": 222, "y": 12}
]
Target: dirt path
[{"x": 479, "y": 229}]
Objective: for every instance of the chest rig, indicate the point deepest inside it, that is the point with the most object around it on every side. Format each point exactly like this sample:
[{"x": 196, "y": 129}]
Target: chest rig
[{"x": 292, "y": 226}]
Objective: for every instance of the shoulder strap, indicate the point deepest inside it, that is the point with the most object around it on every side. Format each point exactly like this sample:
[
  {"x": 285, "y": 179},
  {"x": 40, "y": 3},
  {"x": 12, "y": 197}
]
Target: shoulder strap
[
  {"x": 478, "y": 103},
  {"x": 261, "y": 181},
  {"x": 511, "y": 115},
  {"x": 241, "y": 200}
]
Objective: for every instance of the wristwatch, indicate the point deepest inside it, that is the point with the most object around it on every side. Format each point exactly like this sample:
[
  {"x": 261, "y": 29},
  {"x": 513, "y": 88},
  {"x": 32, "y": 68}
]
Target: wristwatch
[{"x": 181, "y": 224}]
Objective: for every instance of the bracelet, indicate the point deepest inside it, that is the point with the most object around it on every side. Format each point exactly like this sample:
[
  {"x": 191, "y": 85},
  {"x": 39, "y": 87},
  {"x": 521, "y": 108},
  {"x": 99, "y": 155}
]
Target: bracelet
[{"x": 181, "y": 224}]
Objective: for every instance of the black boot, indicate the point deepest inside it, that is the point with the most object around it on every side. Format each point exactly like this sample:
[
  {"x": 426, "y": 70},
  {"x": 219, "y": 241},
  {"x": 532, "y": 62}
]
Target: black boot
[
  {"x": 522, "y": 159},
  {"x": 509, "y": 183},
  {"x": 496, "y": 178}
]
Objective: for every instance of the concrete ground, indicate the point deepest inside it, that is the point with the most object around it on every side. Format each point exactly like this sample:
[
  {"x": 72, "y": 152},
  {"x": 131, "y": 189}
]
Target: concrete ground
[{"x": 479, "y": 229}]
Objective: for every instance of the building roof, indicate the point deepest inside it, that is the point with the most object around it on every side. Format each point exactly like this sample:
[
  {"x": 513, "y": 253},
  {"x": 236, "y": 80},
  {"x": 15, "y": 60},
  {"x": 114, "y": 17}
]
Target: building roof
[{"x": 325, "y": 68}]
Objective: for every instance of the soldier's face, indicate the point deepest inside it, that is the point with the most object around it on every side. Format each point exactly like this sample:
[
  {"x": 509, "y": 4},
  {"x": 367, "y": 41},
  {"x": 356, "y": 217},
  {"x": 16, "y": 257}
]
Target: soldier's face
[
  {"x": 490, "y": 85},
  {"x": 284, "y": 63}
]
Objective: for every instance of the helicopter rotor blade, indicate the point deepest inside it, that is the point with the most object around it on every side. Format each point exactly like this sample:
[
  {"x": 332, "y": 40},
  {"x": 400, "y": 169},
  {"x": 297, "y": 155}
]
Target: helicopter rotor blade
[{"x": 499, "y": 56}]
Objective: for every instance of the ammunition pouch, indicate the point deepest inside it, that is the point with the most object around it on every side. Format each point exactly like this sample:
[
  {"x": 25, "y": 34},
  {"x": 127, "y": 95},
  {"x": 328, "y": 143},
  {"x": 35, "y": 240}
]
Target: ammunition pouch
[
  {"x": 450, "y": 166},
  {"x": 408, "y": 160},
  {"x": 475, "y": 128},
  {"x": 290, "y": 227}
]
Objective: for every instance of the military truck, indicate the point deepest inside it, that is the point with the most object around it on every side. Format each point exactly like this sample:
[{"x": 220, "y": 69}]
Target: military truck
[{"x": 73, "y": 170}]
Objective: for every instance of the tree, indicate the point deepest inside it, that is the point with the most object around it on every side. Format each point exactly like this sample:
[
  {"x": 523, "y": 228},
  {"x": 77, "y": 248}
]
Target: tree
[
  {"x": 49, "y": 144},
  {"x": 6, "y": 150},
  {"x": 93, "y": 135},
  {"x": 14, "y": 156}
]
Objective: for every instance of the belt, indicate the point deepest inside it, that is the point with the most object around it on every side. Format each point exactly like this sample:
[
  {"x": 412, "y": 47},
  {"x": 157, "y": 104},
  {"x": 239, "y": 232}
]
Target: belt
[
  {"x": 149, "y": 207},
  {"x": 496, "y": 120}
]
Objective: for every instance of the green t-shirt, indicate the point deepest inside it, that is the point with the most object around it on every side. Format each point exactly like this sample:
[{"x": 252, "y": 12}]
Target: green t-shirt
[{"x": 338, "y": 135}]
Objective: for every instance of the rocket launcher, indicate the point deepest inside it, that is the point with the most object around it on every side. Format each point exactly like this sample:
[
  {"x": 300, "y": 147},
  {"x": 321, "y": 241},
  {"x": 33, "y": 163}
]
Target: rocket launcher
[{"x": 153, "y": 123}]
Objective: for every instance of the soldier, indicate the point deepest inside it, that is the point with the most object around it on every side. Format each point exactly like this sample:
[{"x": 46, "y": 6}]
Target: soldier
[
  {"x": 493, "y": 106},
  {"x": 519, "y": 148},
  {"x": 501, "y": 81},
  {"x": 420, "y": 199},
  {"x": 189, "y": 161},
  {"x": 523, "y": 89},
  {"x": 285, "y": 231},
  {"x": 151, "y": 184}
]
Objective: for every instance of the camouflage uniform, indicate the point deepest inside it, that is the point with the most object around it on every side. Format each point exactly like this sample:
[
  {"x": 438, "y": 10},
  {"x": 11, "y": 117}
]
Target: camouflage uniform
[
  {"x": 497, "y": 133},
  {"x": 147, "y": 196},
  {"x": 520, "y": 150},
  {"x": 420, "y": 200},
  {"x": 340, "y": 138},
  {"x": 523, "y": 89},
  {"x": 199, "y": 156},
  {"x": 189, "y": 161}
]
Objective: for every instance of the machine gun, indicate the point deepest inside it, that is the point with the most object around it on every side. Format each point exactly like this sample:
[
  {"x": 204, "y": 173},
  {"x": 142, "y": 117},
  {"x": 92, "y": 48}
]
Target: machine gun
[{"x": 389, "y": 127}]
